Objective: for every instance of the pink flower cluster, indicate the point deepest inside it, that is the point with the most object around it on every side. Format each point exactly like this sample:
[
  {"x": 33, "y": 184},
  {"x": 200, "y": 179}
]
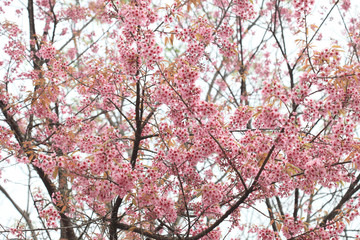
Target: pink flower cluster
[
  {"x": 47, "y": 212},
  {"x": 211, "y": 194},
  {"x": 47, "y": 52}
]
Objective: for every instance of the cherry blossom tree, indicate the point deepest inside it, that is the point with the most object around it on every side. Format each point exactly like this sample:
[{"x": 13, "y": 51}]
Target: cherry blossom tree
[{"x": 184, "y": 119}]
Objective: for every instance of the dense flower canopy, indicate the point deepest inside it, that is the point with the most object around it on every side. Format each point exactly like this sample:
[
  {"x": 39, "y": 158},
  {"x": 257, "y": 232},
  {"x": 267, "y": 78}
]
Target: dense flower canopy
[{"x": 184, "y": 119}]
